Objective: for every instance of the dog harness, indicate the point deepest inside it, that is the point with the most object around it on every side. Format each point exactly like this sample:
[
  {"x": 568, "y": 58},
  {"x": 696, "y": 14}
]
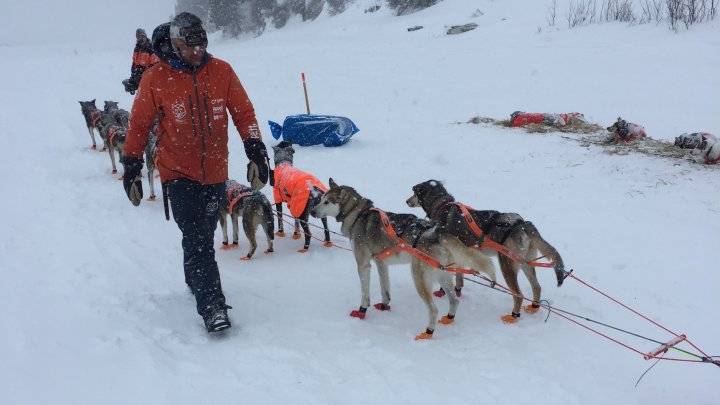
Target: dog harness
[
  {"x": 403, "y": 246},
  {"x": 234, "y": 199},
  {"x": 486, "y": 243}
]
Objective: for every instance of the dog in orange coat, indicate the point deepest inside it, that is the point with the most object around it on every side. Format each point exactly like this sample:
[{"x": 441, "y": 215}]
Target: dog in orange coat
[{"x": 301, "y": 191}]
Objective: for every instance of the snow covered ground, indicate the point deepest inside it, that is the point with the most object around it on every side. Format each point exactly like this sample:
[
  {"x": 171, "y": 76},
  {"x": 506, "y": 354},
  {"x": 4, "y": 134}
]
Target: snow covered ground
[{"x": 97, "y": 310}]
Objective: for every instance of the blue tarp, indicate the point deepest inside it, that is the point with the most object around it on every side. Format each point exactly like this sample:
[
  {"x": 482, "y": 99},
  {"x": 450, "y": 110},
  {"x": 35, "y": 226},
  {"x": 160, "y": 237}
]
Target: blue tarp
[{"x": 307, "y": 130}]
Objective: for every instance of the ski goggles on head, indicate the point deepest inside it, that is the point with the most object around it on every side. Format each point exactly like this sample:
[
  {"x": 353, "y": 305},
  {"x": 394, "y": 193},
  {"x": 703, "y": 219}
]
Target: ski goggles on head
[{"x": 193, "y": 36}]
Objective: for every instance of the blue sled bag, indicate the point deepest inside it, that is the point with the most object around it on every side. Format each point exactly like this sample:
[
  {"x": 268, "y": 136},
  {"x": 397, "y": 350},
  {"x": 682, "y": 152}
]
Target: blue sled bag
[{"x": 307, "y": 130}]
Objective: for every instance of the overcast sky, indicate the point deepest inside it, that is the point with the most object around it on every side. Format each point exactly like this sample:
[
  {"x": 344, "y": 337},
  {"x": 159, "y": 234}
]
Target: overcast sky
[{"x": 95, "y": 23}]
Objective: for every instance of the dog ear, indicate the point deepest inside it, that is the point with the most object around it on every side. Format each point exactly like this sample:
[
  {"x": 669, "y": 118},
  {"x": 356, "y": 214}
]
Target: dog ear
[
  {"x": 332, "y": 183},
  {"x": 343, "y": 195}
]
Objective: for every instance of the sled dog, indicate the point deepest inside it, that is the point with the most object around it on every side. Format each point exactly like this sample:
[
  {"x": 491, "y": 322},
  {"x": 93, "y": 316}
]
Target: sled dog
[
  {"x": 112, "y": 126},
  {"x": 301, "y": 191},
  {"x": 91, "y": 114},
  {"x": 255, "y": 210},
  {"x": 508, "y": 229},
  {"x": 370, "y": 240}
]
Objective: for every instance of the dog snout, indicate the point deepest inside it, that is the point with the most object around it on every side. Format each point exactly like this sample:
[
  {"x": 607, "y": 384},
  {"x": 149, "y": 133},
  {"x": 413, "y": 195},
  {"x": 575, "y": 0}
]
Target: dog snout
[{"x": 412, "y": 201}]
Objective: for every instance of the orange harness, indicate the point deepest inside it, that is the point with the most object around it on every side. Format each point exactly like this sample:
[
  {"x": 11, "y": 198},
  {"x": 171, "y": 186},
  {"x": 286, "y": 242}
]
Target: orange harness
[
  {"x": 402, "y": 246},
  {"x": 95, "y": 115},
  {"x": 113, "y": 133},
  {"x": 239, "y": 197},
  {"x": 487, "y": 243}
]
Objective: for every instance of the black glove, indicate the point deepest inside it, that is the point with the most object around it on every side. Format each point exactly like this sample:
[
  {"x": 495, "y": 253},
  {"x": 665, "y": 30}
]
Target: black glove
[
  {"x": 257, "y": 168},
  {"x": 131, "y": 178}
]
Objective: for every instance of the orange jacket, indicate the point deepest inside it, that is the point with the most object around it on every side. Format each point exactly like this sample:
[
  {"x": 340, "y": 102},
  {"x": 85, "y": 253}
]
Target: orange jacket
[
  {"x": 192, "y": 138},
  {"x": 144, "y": 59},
  {"x": 293, "y": 186}
]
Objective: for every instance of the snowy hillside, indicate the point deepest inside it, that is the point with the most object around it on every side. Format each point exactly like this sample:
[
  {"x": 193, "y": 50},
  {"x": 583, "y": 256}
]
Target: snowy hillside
[{"x": 98, "y": 312}]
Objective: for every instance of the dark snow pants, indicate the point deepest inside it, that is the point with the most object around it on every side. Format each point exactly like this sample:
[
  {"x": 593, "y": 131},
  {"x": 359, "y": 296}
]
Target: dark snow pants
[{"x": 195, "y": 208}]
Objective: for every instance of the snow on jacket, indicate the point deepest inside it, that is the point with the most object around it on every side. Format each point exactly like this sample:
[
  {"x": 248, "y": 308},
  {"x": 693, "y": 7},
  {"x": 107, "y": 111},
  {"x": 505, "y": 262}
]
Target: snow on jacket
[
  {"x": 193, "y": 130},
  {"x": 293, "y": 186}
]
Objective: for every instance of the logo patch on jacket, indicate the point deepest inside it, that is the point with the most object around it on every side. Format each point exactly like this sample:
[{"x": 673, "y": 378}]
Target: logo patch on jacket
[{"x": 179, "y": 111}]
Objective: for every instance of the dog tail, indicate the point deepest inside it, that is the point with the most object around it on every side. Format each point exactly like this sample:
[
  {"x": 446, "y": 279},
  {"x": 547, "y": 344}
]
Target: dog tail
[
  {"x": 537, "y": 243},
  {"x": 267, "y": 215}
]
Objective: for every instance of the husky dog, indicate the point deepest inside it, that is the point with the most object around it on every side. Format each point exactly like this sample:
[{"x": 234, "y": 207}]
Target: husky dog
[
  {"x": 709, "y": 150},
  {"x": 255, "y": 210},
  {"x": 507, "y": 229},
  {"x": 370, "y": 241},
  {"x": 623, "y": 131},
  {"x": 113, "y": 125},
  {"x": 300, "y": 190},
  {"x": 703, "y": 144},
  {"x": 92, "y": 115}
]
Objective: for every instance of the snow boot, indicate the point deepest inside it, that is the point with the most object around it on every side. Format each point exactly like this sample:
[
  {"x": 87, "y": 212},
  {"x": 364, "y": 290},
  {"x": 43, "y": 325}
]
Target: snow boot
[{"x": 216, "y": 318}]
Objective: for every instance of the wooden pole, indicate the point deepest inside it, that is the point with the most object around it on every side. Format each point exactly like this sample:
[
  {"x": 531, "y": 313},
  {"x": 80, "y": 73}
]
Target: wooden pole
[{"x": 307, "y": 103}]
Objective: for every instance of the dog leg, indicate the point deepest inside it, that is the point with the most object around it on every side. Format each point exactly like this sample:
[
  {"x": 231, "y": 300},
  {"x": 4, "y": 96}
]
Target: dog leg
[
  {"x": 223, "y": 226},
  {"x": 536, "y": 289},
  {"x": 111, "y": 151},
  {"x": 281, "y": 231},
  {"x": 267, "y": 226},
  {"x": 249, "y": 227},
  {"x": 236, "y": 227},
  {"x": 92, "y": 136},
  {"x": 306, "y": 230},
  {"x": 363, "y": 267},
  {"x": 151, "y": 183},
  {"x": 327, "y": 233},
  {"x": 509, "y": 272},
  {"x": 384, "y": 275},
  {"x": 424, "y": 290},
  {"x": 296, "y": 230}
]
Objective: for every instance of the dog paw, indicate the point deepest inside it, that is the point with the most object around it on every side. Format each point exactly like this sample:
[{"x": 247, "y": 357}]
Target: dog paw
[
  {"x": 280, "y": 234},
  {"x": 428, "y": 334},
  {"x": 102, "y": 150},
  {"x": 296, "y": 236},
  {"x": 228, "y": 247},
  {"x": 439, "y": 293},
  {"x": 121, "y": 177},
  {"x": 246, "y": 258},
  {"x": 328, "y": 244},
  {"x": 114, "y": 172},
  {"x": 512, "y": 318},
  {"x": 303, "y": 250},
  {"x": 357, "y": 314},
  {"x": 93, "y": 147},
  {"x": 446, "y": 320},
  {"x": 267, "y": 252},
  {"x": 151, "y": 198},
  {"x": 382, "y": 307},
  {"x": 532, "y": 308}
]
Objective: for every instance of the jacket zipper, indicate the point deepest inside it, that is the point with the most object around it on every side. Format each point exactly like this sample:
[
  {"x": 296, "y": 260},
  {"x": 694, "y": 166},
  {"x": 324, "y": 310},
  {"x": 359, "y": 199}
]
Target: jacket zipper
[{"x": 202, "y": 126}]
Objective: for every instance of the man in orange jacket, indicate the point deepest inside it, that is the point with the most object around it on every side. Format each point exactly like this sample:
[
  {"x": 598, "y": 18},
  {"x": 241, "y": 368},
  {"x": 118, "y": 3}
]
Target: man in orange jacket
[
  {"x": 191, "y": 92},
  {"x": 143, "y": 58}
]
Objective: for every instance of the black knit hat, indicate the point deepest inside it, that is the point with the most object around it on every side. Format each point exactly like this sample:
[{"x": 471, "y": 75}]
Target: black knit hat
[
  {"x": 188, "y": 27},
  {"x": 161, "y": 43},
  {"x": 140, "y": 31}
]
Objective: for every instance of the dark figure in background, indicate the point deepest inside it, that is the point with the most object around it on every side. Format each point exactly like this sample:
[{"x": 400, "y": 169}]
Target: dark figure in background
[
  {"x": 192, "y": 92},
  {"x": 143, "y": 58}
]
